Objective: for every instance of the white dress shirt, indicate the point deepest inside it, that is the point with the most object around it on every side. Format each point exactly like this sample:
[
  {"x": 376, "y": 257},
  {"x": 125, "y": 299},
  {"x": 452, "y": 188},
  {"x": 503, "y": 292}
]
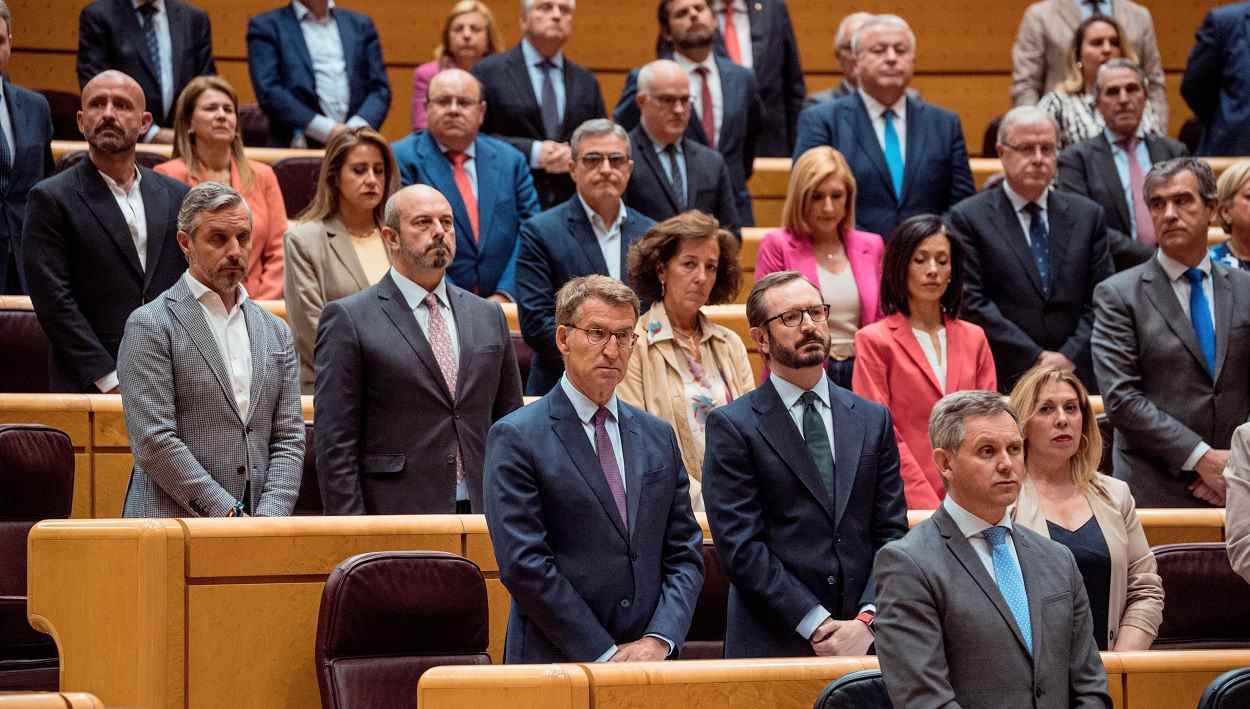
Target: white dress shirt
[
  {"x": 160, "y": 22},
  {"x": 1018, "y": 204},
  {"x": 607, "y": 235},
  {"x": 325, "y": 47},
  {"x": 532, "y": 60},
  {"x": 696, "y": 88},
  {"x": 876, "y": 114},
  {"x": 6, "y": 127},
  {"x": 229, "y": 330},
  {"x": 742, "y": 24},
  {"x": 1180, "y": 286},
  {"x": 971, "y": 527}
]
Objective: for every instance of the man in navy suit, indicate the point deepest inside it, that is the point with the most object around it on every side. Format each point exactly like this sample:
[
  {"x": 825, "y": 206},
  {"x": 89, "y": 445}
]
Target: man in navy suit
[
  {"x": 486, "y": 180},
  {"x": 671, "y": 172},
  {"x": 724, "y": 95},
  {"x": 590, "y": 233},
  {"x": 317, "y": 70},
  {"x": 802, "y": 488},
  {"x": 1216, "y": 84},
  {"x": 587, "y": 503},
  {"x": 908, "y": 156},
  {"x": 536, "y": 96},
  {"x": 113, "y": 34},
  {"x": 25, "y": 158}
]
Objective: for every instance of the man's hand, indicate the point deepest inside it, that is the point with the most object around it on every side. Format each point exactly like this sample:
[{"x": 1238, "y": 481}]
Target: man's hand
[
  {"x": 646, "y": 649},
  {"x": 555, "y": 157},
  {"x": 1204, "y": 492},
  {"x": 1210, "y": 469},
  {"x": 852, "y": 637},
  {"x": 822, "y": 638},
  {"x": 1054, "y": 359},
  {"x": 334, "y": 132},
  {"x": 500, "y": 298}
]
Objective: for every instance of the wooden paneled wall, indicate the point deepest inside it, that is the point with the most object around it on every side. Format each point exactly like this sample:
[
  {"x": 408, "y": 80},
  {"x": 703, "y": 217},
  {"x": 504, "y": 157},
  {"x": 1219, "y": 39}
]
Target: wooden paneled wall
[{"x": 964, "y": 59}]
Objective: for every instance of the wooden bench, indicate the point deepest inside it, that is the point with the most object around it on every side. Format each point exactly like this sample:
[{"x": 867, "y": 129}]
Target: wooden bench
[{"x": 49, "y": 700}]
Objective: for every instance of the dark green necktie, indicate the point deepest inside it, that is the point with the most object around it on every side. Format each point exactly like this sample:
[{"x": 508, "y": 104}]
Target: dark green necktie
[{"x": 817, "y": 439}]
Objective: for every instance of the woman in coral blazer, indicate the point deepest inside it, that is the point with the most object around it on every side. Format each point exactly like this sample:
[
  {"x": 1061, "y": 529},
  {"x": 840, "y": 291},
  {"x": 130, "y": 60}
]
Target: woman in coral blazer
[
  {"x": 921, "y": 351},
  {"x": 817, "y": 240}
]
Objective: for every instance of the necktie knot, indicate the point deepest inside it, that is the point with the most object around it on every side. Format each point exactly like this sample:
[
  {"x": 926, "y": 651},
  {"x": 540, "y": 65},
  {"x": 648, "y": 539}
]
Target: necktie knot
[
  {"x": 1127, "y": 144},
  {"x": 1195, "y": 276},
  {"x": 995, "y": 535},
  {"x": 601, "y": 416},
  {"x": 546, "y": 65},
  {"x": 1033, "y": 209},
  {"x": 147, "y": 9},
  {"x": 888, "y": 114},
  {"x": 701, "y": 71},
  {"x": 809, "y": 399},
  {"x": 430, "y": 302},
  {"x": 457, "y": 157}
]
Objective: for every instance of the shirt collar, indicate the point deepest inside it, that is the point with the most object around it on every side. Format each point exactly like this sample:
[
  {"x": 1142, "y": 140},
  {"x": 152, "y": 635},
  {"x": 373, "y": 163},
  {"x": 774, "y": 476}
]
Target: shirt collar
[
  {"x": 790, "y": 393},
  {"x": 876, "y": 108},
  {"x": 1114, "y": 138},
  {"x": 158, "y": 4},
  {"x": 1175, "y": 269},
  {"x": 533, "y": 56},
  {"x": 1018, "y": 202},
  {"x": 737, "y": 5},
  {"x": 302, "y": 11},
  {"x": 657, "y": 145},
  {"x": 582, "y": 405},
  {"x": 597, "y": 220},
  {"x": 200, "y": 291},
  {"x": 415, "y": 293},
  {"x": 471, "y": 151},
  {"x": 969, "y": 524},
  {"x": 690, "y": 65},
  {"x": 116, "y": 188}
]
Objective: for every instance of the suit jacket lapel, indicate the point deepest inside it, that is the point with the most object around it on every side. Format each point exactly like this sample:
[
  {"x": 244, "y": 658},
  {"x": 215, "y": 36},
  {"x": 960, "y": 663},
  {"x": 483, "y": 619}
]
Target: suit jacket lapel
[
  {"x": 730, "y": 97},
  {"x": 569, "y": 430},
  {"x": 957, "y": 360},
  {"x": 1034, "y": 591},
  {"x": 489, "y": 174},
  {"x": 900, "y": 328},
  {"x": 178, "y": 42},
  {"x": 1062, "y": 226},
  {"x": 651, "y": 161},
  {"x": 396, "y": 308},
  {"x": 1106, "y": 173},
  {"x": 584, "y": 234},
  {"x": 255, "y": 319},
  {"x": 467, "y": 333},
  {"x": 350, "y": 42},
  {"x": 187, "y": 310},
  {"x": 1070, "y": 13},
  {"x": 521, "y": 84},
  {"x": 100, "y": 201},
  {"x": 777, "y": 427},
  {"x": 848, "y": 442},
  {"x": 1159, "y": 291},
  {"x": 859, "y": 124},
  {"x": 158, "y": 213},
  {"x": 294, "y": 37},
  {"x": 340, "y": 243},
  {"x": 130, "y": 18},
  {"x": 915, "y": 139},
  {"x": 760, "y": 31},
  {"x": 1223, "y": 291},
  {"x": 1009, "y": 226},
  {"x": 632, "y": 451}
]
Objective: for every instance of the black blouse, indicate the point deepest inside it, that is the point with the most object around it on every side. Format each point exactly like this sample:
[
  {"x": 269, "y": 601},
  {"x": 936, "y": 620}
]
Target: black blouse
[{"x": 1094, "y": 561}]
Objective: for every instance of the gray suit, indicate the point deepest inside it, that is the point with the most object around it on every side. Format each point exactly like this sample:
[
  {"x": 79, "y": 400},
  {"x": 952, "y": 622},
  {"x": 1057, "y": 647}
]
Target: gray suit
[
  {"x": 946, "y": 637},
  {"x": 1154, "y": 381},
  {"x": 194, "y": 451}
]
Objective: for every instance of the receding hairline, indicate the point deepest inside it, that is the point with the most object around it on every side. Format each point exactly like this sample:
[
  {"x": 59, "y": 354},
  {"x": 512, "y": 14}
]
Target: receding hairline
[
  {"x": 453, "y": 74},
  {"x": 654, "y": 71}
]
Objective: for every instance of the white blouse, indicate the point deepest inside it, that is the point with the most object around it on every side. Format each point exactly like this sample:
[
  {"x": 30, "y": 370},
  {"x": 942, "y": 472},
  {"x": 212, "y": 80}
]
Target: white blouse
[
  {"x": 937, "y": 360},
  {"x": 842, "y": 294}
]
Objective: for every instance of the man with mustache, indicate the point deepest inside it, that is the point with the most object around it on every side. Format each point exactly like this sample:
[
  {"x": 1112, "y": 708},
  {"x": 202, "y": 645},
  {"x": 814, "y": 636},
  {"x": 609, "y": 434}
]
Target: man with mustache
[
  {"x": 210, "y": 381},
  {"x": 100, "y": 239},
  {"x": 801, "y": 484},
  {"x": 411, "y": 372}
]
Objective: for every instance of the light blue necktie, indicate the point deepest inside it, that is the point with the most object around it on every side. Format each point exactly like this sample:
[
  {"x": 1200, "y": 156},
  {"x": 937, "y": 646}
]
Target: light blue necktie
[
  {"x": 893, "y": 153},
  {"x": 1010, "y": 581},
  {"x": 1200, "y": 315}
]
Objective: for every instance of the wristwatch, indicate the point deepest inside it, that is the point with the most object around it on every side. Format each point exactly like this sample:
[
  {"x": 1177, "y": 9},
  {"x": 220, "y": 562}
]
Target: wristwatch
[
  {"x": 867, "y": 617},
  {"x": 237, "y": 510}
]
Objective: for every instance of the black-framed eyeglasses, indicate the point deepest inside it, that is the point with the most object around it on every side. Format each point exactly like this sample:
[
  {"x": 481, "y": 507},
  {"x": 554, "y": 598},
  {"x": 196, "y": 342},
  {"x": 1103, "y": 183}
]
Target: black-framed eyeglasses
[
  {"x": 616, "y": 161},
  {"x": 793, "y": 318},
  {"x": 625, "y": 339}
]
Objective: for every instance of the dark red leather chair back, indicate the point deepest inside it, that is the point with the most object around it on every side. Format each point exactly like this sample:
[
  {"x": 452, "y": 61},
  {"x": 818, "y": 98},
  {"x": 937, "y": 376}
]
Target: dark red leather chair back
[
  {"x": 1206, "y": 604},
  {"x": 387, "y": 617},
  {"x": 63, "y": 105},
  {"x": 25, "y": 348},
  {"x": 706, "y": 638},
  {"x": 309, "y": 500},
  {"x": 254, "y": 125},
  {"x": 297, "y": 177}
]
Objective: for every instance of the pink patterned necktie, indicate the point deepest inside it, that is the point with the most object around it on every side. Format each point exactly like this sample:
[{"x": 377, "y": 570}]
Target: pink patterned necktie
[
  {"x": 1137, "y": 181},
  {"x": 607, "y": 461},
  {"x": 440, "y": 342}
]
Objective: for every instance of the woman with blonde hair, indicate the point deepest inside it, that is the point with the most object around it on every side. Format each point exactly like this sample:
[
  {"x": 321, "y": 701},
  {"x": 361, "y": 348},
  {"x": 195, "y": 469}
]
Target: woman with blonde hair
[
  {"x": 1063, "y": 497},
  {"x": 336, "y": 247},
  {"x": 819, "y": 240},
  {"x": 469, "y": 34},
  {"x": 208, "y": 147},
  {"x": 1233, "y": 213}
]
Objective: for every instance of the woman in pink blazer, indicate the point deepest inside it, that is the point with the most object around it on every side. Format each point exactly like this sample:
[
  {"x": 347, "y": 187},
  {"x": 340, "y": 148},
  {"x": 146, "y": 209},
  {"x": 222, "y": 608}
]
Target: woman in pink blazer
[
  {"x": 920, "y": 351},
  {"x": 817, "y": 239},
  {"x": 469, "y": 34}
]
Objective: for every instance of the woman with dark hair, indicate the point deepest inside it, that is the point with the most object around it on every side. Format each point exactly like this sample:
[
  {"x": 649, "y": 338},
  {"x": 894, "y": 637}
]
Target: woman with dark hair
[
  {"x": 684, "y": 365},
  {"x": 921, "y": 351},
  {"x": 469, "y": 35}
]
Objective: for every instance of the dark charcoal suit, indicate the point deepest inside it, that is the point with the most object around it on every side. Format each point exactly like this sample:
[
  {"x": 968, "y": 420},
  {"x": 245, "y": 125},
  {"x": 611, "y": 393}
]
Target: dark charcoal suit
[
  {"x": 708, "y": 186},
  {"x": 31, "y": 161},
  {"x": 1216, "y": 84}
]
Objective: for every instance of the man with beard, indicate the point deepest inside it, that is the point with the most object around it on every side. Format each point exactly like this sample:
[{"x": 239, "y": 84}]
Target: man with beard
[
  {"x": 411, "y": 373},
  {"x": 100, "y": 239},
  {"x": 802, "y": 488},
  {"x": 210, "y": 381}
]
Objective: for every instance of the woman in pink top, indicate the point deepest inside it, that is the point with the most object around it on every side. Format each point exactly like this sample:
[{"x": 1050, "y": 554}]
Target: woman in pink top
[
  {"x": 209, "y": 147},
  {"x": 817, "y": 239},
  {"x": 469, "y": 34}
]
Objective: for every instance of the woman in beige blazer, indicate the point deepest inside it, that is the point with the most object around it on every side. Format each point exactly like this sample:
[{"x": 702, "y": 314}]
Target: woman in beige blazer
[
  {"x": 684, "y": 365},
  {"x": 336, "y": 248},
  {"x": 1065, "y": 498}
]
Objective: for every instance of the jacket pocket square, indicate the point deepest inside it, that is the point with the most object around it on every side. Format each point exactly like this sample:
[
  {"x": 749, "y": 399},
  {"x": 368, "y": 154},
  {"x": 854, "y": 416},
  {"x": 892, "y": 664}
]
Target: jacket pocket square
[{"x": 383, "y": 464}]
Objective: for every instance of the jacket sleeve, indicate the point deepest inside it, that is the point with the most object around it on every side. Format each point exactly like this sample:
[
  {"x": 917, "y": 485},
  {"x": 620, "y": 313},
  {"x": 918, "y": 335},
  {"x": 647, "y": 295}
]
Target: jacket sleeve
[
  {"x": 962, "y": 184},
  {"x": 93, "y": 43},
  {"x": 338, "y": 397},
  {"x": 1028, "y": 60},
  {"x": 287, "y": 437},
  {"x": 814, "y": 129},
  {"x": 1143, "y": 605},
  {"x": 1237, "y": 514},
  {"x": 627, "y": 114},
  {"x": 203, "y": 36},
  {"x": 536, "y": 291},
  {"x": 1152, "y": 65},
  {"x": 527, "y": 206},
  {"x": 304, "y": 294},
  {"x": 987, "y": 375},
  {"x": 1200, "y": 85},
  {"x": 683, "y": 559},
  {"x": 508, "y": 397},
  {"x": 377, "y": 101},
  {"x": 795, "y": 92},
  {"x": 1099, "y": 269}
]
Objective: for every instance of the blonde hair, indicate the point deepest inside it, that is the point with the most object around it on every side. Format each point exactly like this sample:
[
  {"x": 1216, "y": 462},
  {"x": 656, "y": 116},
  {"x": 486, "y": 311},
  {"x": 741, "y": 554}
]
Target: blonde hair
[
  {"x": 325, "y": 203},
  {"x": 1024, "y": 399},
  {"x": 493, "y": 39},
  {"x": 812, "y": 168},
  {"x": 184, "y": 139},
  {"x": 1230, "y": 183},
  {"x": 1074, "y": 78}
]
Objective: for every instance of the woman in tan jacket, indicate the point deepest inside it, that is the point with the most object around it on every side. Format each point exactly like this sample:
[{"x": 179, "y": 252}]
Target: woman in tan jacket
[
  {"x": 1065, "y": 498},
  {"x": 684, "y": 365}
]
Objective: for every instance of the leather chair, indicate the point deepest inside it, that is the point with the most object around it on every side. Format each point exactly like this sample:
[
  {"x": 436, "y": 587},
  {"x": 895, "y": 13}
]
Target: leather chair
[
  {"x": 143, "y": 157},
  {"x": 1230, "y": 690},
  {"x": 64, "y": 106},
  {"x": 387, "y": 617},
  {"x": 1105, "y": 428},
  {"x": 37, "y": 477},
  {"x": 309, "y": 500},
  {"x": 298, "y": 179},
  {"x": 25, "y": 348},
  {"x": 253, "y": 125},
  {"x": 1207, "y": 604},
  {"x": 989, "y": 141},
  {"x": 864, "y": 689},
  {"x": 706, "y": 637}
]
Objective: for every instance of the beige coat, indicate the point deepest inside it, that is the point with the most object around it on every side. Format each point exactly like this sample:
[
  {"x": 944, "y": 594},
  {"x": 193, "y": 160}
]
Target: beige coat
[
  {"x": 1136, "y": 597},
  {"x": 653, "y": 382},
  {"x": 1237, "y": 511},
  {"x": 320, "y": 266}
]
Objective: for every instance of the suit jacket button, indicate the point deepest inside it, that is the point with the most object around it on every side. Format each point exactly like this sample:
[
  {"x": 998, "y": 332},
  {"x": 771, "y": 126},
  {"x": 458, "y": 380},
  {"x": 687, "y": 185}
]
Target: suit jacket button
[
  {"x": 1038, "y": 692},
  {"x": 451, "y": 459},
  {"x": 830, "y": 580},
  {"x": 624, "y": 603},
  {"x": 633, "y": 556},
  {"x": 249, "y": 429},
  {"x": 240, "y": 470}
]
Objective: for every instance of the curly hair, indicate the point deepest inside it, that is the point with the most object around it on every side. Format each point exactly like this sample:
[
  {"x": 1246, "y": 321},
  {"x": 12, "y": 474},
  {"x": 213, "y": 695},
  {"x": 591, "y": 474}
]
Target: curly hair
[{"x": 662, "y": 242}]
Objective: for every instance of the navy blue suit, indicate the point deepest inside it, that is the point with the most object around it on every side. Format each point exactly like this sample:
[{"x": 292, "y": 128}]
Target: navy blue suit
[
  {"x": 708, "y": 185},
  {"x": 785, "y": 545},
  {"x": 740, "y": 128},
  {"x": 556, "y": 247},
  {"x": 581, "y": 580},
  {"x": 505, "y": 198},
  {"x": 1216, "y": 84},
  {"x": 282, "y": 71},
  {"x": 31, "y": 160},
  {"x": 936, "y": 174}
]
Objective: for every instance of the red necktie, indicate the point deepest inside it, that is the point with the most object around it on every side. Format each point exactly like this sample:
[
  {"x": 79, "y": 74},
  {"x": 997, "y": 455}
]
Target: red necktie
[
  {"x": 1137, "y": 180},
  {"x": 457, "y": 159},
  {"x": 731, "y": 34},
  {"x": 707, "y": 115}
]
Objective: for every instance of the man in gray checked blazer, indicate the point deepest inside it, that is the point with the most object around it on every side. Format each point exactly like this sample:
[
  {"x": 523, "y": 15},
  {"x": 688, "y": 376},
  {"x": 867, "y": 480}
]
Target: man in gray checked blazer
[{"x": 210, "y": 381}]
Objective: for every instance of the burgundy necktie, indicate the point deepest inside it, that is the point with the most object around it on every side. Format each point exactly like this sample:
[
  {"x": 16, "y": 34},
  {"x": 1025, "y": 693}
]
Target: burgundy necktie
[
  {"x": 707, "y": 114},
  {"x": 1137, "y": 180},
  {"x": 607, "y": 461},
  {"x": 440, "y": 342}
]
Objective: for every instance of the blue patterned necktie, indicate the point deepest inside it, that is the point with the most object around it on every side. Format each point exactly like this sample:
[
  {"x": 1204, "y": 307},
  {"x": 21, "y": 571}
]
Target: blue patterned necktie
[
  {"x": 147, "y": 22},
  {"x": 1200, "y": 316},
  {"x": 893, "y": 153},
  {"x": 1039, "y": 242},
  {"x": 1010, "y": 581}
]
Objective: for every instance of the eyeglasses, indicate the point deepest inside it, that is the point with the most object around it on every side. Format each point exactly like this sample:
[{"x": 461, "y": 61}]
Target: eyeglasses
[
  {"x": 458, "y": 101},
  {"x": 793, "y": 318},
  {"x": 616, "y": 161},
  {"x": 625, "y": 339},
  {"x": 670, "y": 101},
  {"x": 1046, "y": 149}
]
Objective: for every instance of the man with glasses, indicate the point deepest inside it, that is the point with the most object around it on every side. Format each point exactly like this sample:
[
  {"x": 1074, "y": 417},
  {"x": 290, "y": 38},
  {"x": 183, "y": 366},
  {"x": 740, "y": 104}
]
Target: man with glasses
[
  {"x": 487, "y": 182},
  {"x": 587, "y": 503},
  {"x": 589, "y": 233},
  {"x": 802, "y": 487},
  {"x": 673, "y": 173},
  {"x": 1032, "y": 257}
]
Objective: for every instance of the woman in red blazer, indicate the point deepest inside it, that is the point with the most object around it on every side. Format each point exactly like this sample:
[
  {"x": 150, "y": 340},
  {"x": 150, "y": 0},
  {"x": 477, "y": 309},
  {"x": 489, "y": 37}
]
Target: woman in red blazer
[
  {"x": 920, "y": 351},
  {"x": 817, "y": 240}
]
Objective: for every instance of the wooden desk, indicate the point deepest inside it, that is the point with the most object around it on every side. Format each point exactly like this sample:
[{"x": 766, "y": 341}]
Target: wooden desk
[{"x": 49, "y": 700}]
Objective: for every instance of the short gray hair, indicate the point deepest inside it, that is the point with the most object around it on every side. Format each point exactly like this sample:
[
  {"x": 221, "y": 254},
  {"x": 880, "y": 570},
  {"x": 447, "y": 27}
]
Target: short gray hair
[
  {"x": 208, "y": 197},
  {"x": 391, "y": 217},
  {"x": 647, "y": 73},
  {"x": 1166, "y": 170},
  {"x": 1118, "y": 63},
  {"x": 525, "y": 4},
  {"x": 1024, "y": 116},
  {"x": 597, "y": 287},
  {"x": 882, "y": 21},
  {"x": 839, "y": 37},
  {"x": 594, "y": 128},
  {"x": 946, "y": 421}
]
